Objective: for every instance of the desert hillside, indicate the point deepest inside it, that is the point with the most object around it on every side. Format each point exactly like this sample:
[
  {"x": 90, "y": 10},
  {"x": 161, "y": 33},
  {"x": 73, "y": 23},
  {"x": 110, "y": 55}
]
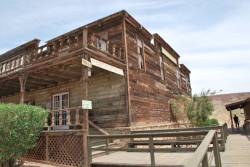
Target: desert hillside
[{"x": 220, "y": 101}]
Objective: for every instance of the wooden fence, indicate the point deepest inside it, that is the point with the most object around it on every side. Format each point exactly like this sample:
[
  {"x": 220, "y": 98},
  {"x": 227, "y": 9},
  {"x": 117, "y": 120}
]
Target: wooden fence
[
  {"x": 200, "y": 156},
  {"x": 152, "y": 143},
  {"x": 247, "y": 127},
  {"x": 59, "y": 147},
  {"x": 222, "y": 134}
]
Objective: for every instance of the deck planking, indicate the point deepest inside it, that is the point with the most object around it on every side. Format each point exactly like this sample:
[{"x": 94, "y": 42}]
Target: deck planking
[{"x": 237, "y": 152}]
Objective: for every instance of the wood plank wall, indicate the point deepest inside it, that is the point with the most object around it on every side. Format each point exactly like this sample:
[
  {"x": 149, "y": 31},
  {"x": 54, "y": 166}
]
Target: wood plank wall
[
  {"x": 106, "y": 89},
  {"x": 148, "y": 92}
]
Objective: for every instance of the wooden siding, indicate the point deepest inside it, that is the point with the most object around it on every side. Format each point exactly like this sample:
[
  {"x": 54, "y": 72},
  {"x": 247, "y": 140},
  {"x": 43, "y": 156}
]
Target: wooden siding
[
  {"x": 247, "y": 111},
  {"x": 138, "y": 97},
  {"x": 149, "y": 94},
  {"x": 105, "y": 89}
]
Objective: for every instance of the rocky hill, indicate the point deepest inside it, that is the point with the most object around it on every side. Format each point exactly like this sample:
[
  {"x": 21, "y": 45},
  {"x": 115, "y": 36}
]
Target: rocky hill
[{"x": 219, "y": 101}]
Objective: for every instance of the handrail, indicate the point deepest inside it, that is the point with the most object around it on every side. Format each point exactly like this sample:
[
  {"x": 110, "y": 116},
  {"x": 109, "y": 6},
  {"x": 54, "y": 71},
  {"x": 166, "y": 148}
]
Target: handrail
[
  {"x": 200, "y": 155},
  {"x": 143, "y": 135},
  {"x": 222, "y": 132},
  {"x": 178, "y": 129},
  {"x": 151, "y": 143},
  {"x": 64, "y": 118},
  {"x": 98, "y": 128}
]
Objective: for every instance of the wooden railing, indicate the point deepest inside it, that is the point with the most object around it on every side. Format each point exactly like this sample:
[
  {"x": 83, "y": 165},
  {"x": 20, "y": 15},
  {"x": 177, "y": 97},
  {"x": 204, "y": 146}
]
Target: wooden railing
[
  {"x": 200, "y": 156},
  {"x": 222, "y": 133},
  {"x": 152, "y": 142},
  {"x": 11, "y": 65},
  {"x": 113, "y": 50},
  {"x": 247, "y": 127},
  {"x": 58, "y": 48},
  {"x": 63, "y": 119},
  {"x": 61, "y": 47}
]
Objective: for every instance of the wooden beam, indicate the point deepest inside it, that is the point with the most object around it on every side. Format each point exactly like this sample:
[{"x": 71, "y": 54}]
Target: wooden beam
[
  {"x": 127, "y": 74},
  {"x": 22, "y": 81},
  {"x": 231, "y": 118},
  {"x": 43, "y": 80},
  {"x": 85, "y": 114},
  {"x": 85, "y": 38}
]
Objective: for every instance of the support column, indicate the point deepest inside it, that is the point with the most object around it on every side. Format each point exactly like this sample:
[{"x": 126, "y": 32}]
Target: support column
[
  {"x": 22, "y": 81},
  {"x": 231, "y": 118},
  {"x": 85, "y": 125}
]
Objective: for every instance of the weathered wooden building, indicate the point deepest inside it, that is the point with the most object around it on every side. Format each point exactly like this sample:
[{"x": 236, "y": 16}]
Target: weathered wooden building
[{"x": 128, "y": 73}]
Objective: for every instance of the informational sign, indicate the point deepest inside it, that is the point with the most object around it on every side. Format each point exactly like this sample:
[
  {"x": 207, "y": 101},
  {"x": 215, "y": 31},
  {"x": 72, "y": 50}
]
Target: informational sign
[
  {"x": 106, "y": 66},
  {"x": 86, "y": 63},
  {"x": 87, "y": 104}
]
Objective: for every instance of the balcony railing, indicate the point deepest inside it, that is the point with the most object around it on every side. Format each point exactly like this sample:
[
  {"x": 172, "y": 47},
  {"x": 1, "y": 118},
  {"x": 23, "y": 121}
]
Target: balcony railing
[
  {"x": 112, "y": 49},
  {"x": 11, "y": 65},
  {"x": 61, "y": 47},
  {"x": 53, "y": 49},
  {"x": 63, "y": 119}
]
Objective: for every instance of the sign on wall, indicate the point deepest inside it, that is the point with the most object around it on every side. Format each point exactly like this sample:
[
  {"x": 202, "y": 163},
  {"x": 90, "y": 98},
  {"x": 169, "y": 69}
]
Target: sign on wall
[
  {"x": 87, "y": 104},
  {"x": 106, "y": 66},
  {"x": 86, "y": 63}
]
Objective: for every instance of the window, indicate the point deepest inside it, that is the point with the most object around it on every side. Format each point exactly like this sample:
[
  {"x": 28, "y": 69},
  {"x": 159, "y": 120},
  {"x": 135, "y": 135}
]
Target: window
[
  {"x": 60, "y": 102},
  {"x": 101, "y": 44},
  {"x": 140, "y": 53},
  {"x": 162, "y": 68}
]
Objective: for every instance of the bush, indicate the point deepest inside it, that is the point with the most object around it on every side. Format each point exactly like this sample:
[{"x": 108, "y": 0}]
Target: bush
[
  {"x": 211, "y": 122},
  {"x": 178, "y": 108},
  {"x": 20, "y": 126},
  {"x": 200, "y": 109}
]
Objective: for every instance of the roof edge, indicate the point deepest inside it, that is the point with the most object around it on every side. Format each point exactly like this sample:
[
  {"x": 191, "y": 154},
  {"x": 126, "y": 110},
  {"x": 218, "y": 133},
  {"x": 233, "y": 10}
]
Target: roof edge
[{"x": 11, "y": 52}]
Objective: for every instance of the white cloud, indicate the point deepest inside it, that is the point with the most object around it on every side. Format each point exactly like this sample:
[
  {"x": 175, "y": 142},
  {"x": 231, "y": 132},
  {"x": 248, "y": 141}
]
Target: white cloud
[{"x": 212, "y": 37}]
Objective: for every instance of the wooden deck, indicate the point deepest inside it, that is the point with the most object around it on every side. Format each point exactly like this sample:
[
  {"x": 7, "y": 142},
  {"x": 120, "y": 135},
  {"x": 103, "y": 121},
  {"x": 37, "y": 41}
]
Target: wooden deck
[
  {"x": 130, "y": 159},
  {"x": 236, "y": 155},
  {"x": 237, "y": 152}
]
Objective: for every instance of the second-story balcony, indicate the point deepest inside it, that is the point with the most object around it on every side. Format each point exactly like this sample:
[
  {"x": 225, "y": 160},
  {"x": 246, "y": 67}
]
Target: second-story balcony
[{"x": 30, "y": 54}]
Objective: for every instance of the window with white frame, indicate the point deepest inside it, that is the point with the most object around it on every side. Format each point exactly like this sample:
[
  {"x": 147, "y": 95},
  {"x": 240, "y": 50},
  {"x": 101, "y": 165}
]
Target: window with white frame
[{"x": 60, "y": 102}]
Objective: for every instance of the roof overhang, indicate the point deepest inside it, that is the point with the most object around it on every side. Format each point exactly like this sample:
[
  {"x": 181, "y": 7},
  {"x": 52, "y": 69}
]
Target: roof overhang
[{"x": 238, "y": 104}]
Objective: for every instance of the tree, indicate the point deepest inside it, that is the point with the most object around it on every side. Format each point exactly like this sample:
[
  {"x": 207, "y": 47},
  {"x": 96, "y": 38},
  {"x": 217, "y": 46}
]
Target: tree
[
  {"x": 20, "y": 126},
  {"x": 199, "y": 110}
]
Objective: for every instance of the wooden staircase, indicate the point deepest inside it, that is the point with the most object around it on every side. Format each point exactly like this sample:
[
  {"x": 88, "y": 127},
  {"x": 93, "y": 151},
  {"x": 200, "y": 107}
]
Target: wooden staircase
[{"x": 96, "y": 130}]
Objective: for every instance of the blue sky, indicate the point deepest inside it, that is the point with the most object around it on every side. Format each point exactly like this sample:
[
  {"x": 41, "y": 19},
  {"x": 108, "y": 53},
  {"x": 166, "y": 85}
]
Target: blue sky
[{"x": 212, "y": 37}]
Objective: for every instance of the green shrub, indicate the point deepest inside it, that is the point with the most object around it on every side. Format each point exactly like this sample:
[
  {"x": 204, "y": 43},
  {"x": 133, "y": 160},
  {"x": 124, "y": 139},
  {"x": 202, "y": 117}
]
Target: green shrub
[
  {"x": 199, "y": 109},
  {"x": 20, "y": 126},
  {"x": 211, "y": 122},
  {"x": 178, "y": 107}
]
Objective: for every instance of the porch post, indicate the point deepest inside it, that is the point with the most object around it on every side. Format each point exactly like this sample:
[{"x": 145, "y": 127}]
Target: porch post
[
  {"x": 85, "y": 114},
  {"x": 22, "y": 81},
  {"x": 231, "y": 118}
]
